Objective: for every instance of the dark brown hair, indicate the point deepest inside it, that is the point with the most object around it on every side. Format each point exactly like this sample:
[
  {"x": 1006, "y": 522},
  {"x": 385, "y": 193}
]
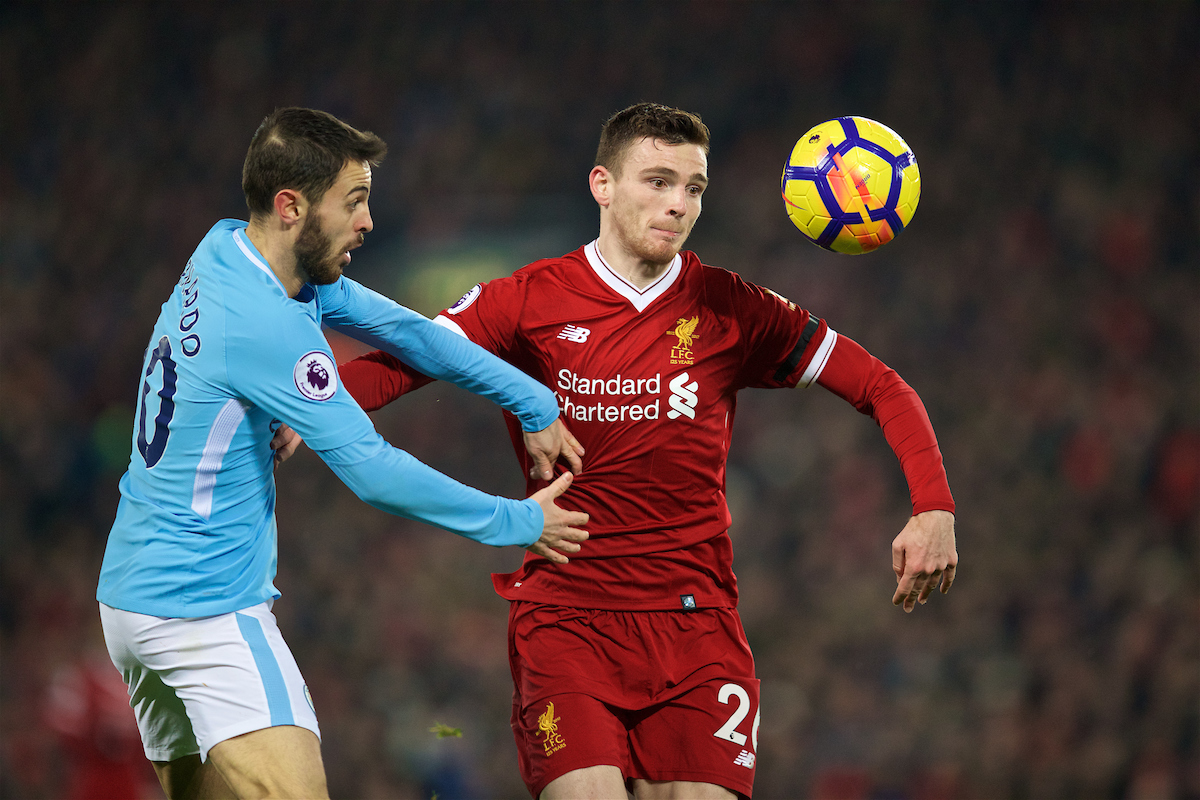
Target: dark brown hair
[
  {"x": 647, "y": 120},
  {"x": 302, "y": 149}
]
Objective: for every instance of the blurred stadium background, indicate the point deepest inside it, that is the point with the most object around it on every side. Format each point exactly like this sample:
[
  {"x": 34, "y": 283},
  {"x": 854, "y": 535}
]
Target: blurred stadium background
[{"x": 1045, "y": 303}]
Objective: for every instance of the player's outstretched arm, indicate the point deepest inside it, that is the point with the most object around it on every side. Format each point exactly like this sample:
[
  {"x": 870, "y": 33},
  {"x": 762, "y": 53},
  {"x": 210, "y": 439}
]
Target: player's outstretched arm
[
  {"x": 559, "y": 531},
  {"x": 924, "y": 554},
  {"x": 377, "y": 378},
  {"x": 394, "y": 481},
  {"x": 924, "y": 557},
  {"x": 350, "y": 308},
  {"x": 287, "y": 371},
  {"x": 550, "y": 444}
]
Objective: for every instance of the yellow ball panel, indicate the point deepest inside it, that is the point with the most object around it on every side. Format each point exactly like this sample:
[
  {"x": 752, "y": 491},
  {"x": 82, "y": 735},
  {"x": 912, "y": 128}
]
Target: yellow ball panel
[
  {"x": 857, "y": 239},
  {"x": 862, "y": 182},
  {"x": 881, "y": 135},
  {"x": 846, "y": 242},
  {"x": 876, "y": 174},
  {"x": 910, "y": 192},
  {"x": 812, "y": 146},
  {"x": 805, "y": 207}
]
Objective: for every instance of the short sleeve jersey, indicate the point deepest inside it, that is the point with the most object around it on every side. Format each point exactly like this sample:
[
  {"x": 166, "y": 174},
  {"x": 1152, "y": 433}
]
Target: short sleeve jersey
[
  {"x": 230, "y": 355},
  {"x": 647, "y": 381}
]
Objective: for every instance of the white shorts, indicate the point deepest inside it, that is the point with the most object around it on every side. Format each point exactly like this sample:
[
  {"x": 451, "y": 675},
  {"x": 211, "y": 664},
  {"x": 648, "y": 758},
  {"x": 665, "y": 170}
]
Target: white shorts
[{"x": 196, "y": 682}]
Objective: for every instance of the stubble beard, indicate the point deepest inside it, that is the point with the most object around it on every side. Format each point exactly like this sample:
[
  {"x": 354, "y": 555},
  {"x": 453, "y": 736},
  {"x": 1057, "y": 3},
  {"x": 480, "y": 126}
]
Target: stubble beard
[
  {"x": 642, "y": 246},
  {"x": 314, "y": 260}
]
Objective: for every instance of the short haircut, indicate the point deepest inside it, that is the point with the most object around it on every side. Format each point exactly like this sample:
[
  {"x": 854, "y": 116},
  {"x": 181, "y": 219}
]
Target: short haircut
[
  {"x": 647, "y": 120},
  {"x": 302, "y": 149}
]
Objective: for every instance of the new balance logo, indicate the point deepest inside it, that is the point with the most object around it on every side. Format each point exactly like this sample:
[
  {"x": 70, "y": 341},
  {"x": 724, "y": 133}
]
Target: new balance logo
[
  {"x": 574, "y": 333},
  {"x": 683, "y": 397},
  {"x": 745, "y": 759}
]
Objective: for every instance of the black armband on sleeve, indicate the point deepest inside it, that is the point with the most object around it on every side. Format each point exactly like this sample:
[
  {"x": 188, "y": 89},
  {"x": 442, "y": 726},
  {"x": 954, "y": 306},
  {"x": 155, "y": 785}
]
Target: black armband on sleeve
[{"x": 797, "y": 353}]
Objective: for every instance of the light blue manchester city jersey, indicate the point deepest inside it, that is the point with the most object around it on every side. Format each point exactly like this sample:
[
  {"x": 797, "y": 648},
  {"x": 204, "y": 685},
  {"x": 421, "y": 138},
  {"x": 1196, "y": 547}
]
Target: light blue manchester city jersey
[{"x": 230, "y": 357}]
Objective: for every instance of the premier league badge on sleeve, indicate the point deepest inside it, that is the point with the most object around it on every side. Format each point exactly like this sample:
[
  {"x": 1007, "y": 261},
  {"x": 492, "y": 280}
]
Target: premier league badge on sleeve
[
  {"x": 465, "y": 300},
  {"x": 316, "y": 375}
]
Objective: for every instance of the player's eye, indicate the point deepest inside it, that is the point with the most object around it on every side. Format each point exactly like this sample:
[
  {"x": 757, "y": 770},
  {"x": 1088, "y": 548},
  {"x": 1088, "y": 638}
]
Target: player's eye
[{"x": 658, "y": 183}]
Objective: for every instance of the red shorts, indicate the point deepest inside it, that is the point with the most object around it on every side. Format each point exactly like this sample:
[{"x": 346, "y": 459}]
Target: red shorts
[{"x": 663, "y": 695}]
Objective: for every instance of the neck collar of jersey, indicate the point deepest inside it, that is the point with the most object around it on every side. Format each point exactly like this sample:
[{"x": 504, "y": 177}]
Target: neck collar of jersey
[
  {"x": 248, "y": 250},
  {"x": 639, "y": 298}
]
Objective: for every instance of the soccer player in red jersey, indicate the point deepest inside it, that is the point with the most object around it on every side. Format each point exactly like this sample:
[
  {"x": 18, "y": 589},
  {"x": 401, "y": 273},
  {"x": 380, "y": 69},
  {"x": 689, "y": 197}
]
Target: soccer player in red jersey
[{"x": 630, "y": 664}]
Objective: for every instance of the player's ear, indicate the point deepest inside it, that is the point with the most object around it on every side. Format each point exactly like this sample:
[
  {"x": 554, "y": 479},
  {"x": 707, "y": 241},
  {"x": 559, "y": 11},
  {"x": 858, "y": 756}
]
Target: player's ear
[
  {"x": 289, "y": 206},
  {"x": 600, "y": 182}
]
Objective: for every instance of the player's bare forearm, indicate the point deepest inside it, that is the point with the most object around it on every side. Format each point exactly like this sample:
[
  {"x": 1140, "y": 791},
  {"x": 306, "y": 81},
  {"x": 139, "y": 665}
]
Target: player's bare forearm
[
  {"x": 924, "y": 557},
  {"x": 547, "y": 446}
]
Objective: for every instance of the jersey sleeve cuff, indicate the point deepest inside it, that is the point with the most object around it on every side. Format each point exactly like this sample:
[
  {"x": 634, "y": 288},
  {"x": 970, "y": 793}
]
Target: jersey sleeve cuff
[{"x": 933, "y": 505}]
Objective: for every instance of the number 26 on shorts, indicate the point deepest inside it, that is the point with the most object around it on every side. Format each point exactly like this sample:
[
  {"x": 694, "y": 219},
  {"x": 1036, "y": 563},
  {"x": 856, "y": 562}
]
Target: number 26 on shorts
[{"x": 728, "y": 730}]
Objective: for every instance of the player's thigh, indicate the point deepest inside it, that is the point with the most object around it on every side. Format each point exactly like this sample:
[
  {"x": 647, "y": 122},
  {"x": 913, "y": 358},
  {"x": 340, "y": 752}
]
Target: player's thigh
[
  {"x": 187, "y": 778},
  {"x": 282, "y": 761},
  {"x": 708, "y": 735},
  {"x": 603, "y": 782}
]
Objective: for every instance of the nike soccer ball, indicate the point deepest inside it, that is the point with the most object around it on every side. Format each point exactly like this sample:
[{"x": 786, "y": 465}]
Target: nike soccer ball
[{"x": 851, "y": 185}]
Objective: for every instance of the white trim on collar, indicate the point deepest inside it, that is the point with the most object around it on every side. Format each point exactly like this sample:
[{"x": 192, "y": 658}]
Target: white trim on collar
[
  {"x": 254, "y": 259},
  {"x": 640, "y": 298}
]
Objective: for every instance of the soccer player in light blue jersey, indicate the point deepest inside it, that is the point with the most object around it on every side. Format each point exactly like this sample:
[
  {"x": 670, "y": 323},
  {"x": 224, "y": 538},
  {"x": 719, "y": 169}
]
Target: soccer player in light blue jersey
[{"x": 186, "y": 588}]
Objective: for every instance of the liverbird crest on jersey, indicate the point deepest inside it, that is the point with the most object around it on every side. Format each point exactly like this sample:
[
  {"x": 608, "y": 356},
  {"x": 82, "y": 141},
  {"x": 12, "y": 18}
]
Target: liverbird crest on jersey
[{"x": 685, "y": 332}]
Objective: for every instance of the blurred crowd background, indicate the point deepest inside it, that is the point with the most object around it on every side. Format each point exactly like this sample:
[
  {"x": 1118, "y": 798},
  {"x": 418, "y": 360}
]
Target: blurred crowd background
[{"x": 1045, "y": 303}]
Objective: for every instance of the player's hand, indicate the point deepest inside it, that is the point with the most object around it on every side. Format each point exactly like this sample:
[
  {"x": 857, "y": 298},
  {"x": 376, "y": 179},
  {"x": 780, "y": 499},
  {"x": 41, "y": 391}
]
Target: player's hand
[
  {"x": 549, "y": 445},
  {"x": 559, "y": 531},
  {"x": 284, "y": 443},
  {"x": 924, "y": 556}
]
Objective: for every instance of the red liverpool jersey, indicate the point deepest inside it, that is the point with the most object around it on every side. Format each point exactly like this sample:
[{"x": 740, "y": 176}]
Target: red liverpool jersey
[{"x": 647, "y": 380}]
